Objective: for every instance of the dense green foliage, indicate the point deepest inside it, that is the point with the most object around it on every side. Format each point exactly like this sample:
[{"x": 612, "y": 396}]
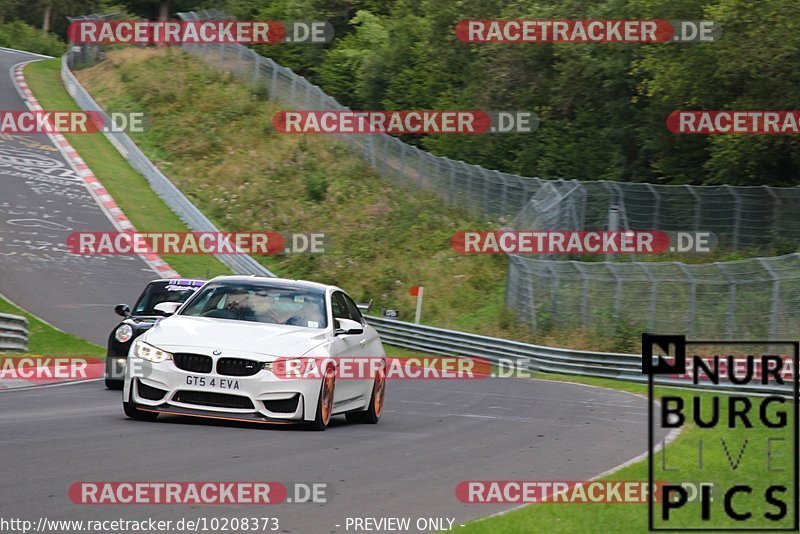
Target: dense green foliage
[
  {"x": 602, "y": 106},
  {"x": 24, "y": 37}
]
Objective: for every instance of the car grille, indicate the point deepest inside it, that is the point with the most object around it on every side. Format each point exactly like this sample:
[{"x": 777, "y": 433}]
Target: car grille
[
  {"x": 237, "y": 367},
  {"x": 149, "y": 392},
  {"x": 282, "y": 405},
  {"x": 217, "y": 400},
  {"x": 194, "y": 363}
]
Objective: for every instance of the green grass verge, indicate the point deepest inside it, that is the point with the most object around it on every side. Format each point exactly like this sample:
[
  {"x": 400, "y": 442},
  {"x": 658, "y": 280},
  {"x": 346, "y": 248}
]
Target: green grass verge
[
  {"x": 682, "y": 456},
  {"x": 130, "y": 190},
  {"x": 46, "y": 340}
]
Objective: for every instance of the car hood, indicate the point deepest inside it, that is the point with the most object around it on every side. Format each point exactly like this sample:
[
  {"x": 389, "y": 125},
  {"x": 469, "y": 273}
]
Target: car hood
[{"x": 263, "y": 339}]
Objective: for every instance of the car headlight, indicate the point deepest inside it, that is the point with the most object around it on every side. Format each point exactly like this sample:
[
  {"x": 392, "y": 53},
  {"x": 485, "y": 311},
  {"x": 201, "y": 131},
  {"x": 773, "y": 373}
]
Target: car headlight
[
  {"x": 124, "y": 333},
  {"x": 150, "y": 353}
]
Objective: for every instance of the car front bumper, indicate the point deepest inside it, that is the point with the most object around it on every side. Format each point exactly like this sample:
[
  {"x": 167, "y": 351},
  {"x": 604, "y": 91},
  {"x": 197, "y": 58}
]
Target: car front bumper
[{"x": 164, "y": 388}]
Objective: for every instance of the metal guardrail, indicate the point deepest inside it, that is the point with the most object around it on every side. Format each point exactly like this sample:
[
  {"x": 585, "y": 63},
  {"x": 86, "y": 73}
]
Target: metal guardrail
[
  {"x": 13, "y": 333},
  {"x": 535, "y": 358},
  {"x": 163, "y": 187}
]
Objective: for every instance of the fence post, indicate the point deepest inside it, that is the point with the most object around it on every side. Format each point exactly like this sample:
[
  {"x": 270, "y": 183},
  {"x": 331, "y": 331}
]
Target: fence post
[{"x": 613, "y": 225}]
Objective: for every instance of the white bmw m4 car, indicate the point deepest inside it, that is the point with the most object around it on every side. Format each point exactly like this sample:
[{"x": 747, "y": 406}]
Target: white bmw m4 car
[{"x": 215, "y": 356}]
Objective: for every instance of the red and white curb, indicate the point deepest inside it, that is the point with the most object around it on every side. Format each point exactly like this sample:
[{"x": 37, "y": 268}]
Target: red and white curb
[{"x": 101, "y": 196}]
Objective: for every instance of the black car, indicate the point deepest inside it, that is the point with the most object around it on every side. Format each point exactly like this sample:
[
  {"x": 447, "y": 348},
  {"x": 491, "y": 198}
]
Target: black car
[{"x": 147, "y": 310}]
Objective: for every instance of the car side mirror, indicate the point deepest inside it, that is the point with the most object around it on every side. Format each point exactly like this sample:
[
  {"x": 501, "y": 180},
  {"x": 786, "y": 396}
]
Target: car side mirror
[
  {"x": 123, "y": 310},
  {"x": 347, "y": 327},
  {"x": 167, "y": 308}
]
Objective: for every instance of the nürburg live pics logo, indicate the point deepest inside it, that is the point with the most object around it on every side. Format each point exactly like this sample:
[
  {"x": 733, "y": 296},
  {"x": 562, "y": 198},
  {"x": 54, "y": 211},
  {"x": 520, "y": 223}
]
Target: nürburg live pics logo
[{"x": 734, "y": 467}]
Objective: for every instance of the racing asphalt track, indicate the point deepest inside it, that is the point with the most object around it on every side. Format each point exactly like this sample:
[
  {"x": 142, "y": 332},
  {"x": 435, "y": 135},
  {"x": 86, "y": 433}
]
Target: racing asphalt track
[
  {"x": 42, "y": 200},
  {"x": 433, "y": 435}
]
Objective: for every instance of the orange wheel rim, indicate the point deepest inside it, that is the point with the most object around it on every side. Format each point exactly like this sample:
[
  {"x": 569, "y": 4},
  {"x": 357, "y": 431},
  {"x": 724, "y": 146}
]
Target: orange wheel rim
[
  {"x": 380, "y": 393},
  {"x": 327, "y": 397}
]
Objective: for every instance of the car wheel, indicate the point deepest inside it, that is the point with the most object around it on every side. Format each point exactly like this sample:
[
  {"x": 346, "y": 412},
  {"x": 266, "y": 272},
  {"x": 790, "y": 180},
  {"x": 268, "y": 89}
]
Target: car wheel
[
  {"x": 114, "y": 384},
  {"x": 325, "y": 402},
  {"x": 372, "y": 414},
  {"x": 134, "y": 413}
]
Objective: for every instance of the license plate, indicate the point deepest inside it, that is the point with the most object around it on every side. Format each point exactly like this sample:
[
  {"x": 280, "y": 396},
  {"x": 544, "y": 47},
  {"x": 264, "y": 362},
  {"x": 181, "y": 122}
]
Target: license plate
[{"x": 211, "y": 382}]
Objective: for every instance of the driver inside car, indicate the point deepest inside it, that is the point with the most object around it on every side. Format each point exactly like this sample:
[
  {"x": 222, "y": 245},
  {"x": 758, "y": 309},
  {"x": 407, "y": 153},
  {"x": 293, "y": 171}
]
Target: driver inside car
[
  {"x": 262, "y": 308},
  {"x": 309, "y": 315},
  {"x": 238, "y": 303}
]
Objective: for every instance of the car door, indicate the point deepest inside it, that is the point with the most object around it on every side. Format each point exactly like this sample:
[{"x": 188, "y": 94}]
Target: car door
[
  {"x": 369, "y": 343},
  {"x": 348, "y": 347}
]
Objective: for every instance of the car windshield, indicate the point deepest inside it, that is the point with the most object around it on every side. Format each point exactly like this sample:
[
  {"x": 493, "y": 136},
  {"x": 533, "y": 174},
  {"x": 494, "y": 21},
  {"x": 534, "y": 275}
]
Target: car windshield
[
  {"x": 158, "y": 292},
  {"x": 296, "y": 306}
]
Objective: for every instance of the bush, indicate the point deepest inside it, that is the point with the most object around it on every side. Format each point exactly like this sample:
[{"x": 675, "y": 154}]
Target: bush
[{"x": 24, "y": 37}]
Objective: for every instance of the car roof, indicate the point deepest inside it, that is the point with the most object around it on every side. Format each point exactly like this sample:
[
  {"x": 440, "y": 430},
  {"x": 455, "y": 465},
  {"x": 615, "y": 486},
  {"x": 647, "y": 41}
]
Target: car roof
[
  {"x": 192, "y": 282},
  {"x": 271, "y": 281}
]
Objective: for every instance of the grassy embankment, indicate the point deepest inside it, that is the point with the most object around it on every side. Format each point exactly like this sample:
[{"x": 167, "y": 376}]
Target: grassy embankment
[{"x": 213, "y": 136}]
